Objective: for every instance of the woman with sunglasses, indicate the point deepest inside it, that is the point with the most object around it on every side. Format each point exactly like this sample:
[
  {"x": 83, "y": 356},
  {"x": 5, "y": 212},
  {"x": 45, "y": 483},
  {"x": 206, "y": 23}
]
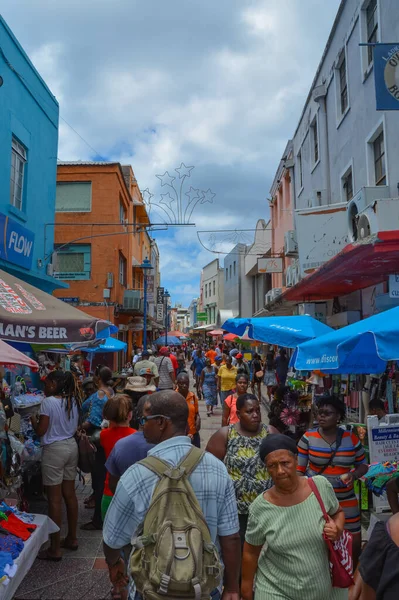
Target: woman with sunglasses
[{"x": 338, "y": 455}]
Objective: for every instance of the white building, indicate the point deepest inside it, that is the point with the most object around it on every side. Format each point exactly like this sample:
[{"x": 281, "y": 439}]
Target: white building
[
  {"x": 345, "y": 158},
  {"x": 212, "y": 291}
]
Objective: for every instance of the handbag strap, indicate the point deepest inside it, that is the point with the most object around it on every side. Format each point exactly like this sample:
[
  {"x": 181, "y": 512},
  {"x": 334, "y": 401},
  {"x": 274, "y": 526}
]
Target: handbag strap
[
  {"x": 316, "y": 492},
  {"x": 340, "y": 434}
]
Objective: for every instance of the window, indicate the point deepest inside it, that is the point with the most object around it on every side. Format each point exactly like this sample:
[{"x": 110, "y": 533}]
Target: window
[
  {"x": 18, "y": 162},
  {"x": 379, "y": 160},
  {"x": 343, "y": 85},
  {"x": 234, "y": 267},
  {"x": 227, "y": 274},
  {"x": 315, "y": 141},
  {"x": 206, "y": 290},
  {"x": 372, "y": 28},
  {"x": 230, "y": 271},
  {"x": 122, "y": 269},
  {"x": 73, "y": 262},
  {"x": 214, "y": 287},
  {"x": 122, "y": 213},
  {"x": 300, "y": 171},
  {"x": 73, "y": 196},
  {"x": 347, "y": 183}
]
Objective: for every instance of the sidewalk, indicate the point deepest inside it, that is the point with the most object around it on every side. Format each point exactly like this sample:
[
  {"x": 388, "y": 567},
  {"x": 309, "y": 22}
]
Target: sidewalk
[{"x": 83, "y": 575}]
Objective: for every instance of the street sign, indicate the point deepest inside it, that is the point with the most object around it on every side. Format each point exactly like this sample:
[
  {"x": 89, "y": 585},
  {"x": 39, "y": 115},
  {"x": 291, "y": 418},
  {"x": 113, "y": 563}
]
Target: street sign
[
  {"x": 150, "y": 288},
  {"x": 202, "y": 318},
  {"x": 201, "y": 314},
  {"x": 270, "y": 265},
  {"x": 71, "y": 300},
  {"x": 386, "y": 75}
]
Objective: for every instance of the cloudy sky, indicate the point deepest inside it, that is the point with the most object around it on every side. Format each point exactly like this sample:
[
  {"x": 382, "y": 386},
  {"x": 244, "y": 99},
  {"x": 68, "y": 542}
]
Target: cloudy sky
[{"x": 217, "y": 84}]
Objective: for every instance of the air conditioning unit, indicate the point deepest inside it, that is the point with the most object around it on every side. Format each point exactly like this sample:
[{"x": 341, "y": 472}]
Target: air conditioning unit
[
  {"x": 276, "y": 292},
  {"x": 289, "y": 276},
  {"x": 363, "y": 198},
  {"x": 290, "y": 243},
  {"x": 381, "y": 215},
  {"x": 132, "y": 300},
  {"x": 269, "y": 297},
  {"x": 296, "y": 272},
  {"x": 110, "y": 280}
]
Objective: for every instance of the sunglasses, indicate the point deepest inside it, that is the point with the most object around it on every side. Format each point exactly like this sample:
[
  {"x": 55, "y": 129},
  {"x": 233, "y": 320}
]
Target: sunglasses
[{"x": 143, "y": 420}]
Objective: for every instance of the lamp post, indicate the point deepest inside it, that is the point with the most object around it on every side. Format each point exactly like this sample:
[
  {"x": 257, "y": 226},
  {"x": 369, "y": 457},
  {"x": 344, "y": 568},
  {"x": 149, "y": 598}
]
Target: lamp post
[
  {"x": 166, "y": 297},
  {"x": 146, "y": 266}
]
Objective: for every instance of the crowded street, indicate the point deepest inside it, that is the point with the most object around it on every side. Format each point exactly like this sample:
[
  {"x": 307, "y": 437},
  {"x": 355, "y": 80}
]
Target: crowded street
[{"x": 199, "y": 300}]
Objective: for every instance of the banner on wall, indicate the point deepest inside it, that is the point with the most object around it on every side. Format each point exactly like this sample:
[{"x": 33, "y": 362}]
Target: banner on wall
[{"x": 386, "y": 76}]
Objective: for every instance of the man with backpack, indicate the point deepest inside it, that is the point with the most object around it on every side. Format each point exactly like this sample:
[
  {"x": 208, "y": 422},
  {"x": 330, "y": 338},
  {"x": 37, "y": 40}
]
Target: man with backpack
[{"x": 178, "y": 509}]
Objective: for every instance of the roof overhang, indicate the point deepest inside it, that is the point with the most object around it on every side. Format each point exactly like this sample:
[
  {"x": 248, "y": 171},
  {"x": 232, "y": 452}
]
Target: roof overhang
[{"x": 359, "y": 265}]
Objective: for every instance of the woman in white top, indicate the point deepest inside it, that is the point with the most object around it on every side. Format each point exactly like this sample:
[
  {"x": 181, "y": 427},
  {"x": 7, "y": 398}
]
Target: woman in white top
[{"x": 57, "y": 425}]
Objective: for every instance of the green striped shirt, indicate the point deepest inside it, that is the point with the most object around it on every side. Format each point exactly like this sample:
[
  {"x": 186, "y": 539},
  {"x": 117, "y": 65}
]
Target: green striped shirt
[{"x": 294, "y": 562}]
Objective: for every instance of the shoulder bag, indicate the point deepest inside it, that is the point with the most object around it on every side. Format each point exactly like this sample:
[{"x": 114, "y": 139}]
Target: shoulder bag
[
  {"x": 340, "y": 434},
  {"x": 339, "y": 552}
]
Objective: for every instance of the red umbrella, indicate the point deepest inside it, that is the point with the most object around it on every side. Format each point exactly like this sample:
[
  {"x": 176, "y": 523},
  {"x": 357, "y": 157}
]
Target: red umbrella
[
  {"x": 11, "y": 356},
  {"x": 230, "y": 337},
  {"x": 216, "y": 332}
]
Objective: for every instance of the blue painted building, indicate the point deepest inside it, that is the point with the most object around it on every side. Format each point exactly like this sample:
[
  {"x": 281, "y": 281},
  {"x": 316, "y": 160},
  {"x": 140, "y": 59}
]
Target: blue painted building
[{"x": 28, "y": 166}]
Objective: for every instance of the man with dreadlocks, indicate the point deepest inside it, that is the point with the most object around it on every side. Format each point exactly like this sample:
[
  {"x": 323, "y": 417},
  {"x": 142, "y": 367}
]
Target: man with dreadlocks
[{"x": 57, "y": 425}]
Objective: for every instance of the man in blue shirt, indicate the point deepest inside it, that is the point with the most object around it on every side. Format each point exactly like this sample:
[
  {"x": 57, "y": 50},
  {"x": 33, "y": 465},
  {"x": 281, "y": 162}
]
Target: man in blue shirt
[
  {"x": 127, "y": 452},
  {"x": 165, "y": 415}
]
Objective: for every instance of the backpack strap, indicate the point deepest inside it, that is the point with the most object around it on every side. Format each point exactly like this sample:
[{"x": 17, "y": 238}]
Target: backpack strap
[
  {"x": 191, "y": 460},
  {"x": 155, "y": 464}
]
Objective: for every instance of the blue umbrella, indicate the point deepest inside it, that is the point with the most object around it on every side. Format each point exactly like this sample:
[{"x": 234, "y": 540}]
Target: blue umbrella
[
  {"x": 108, "y": 345},
  {"x": 281, "y": 331},
  {"x": 170, "y": 341},
  {"x": 363, "y": 347}
]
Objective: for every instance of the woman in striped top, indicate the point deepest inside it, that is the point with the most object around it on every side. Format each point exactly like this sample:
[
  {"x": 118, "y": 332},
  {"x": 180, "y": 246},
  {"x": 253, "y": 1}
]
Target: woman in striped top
[{"x": 338, "y": 455}]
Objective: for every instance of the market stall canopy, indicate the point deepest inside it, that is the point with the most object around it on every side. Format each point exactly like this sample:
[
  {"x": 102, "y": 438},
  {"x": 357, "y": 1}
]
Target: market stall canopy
[
  {"x": 170, "y": 341},
  {"x": 28, "y": 314},
  {"x": 108, "y": 345},
  {"x": 216, "y": 332},
  {"x": 281, "y": 331},
  {"x": 178, "y": 334},
  {"x": 11, "y": 356},
  {"x": 363, "y": 347}
]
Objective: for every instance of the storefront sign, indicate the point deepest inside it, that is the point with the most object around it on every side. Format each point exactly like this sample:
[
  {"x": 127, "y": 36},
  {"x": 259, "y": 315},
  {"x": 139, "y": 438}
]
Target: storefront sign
[
  {"x": 385, "y": 444},
  {"x": 160, "y": 293},
  {"x": 159, "y": 313},
  {"x": 150, "y": 288},
  {"x": 16, "y": 243},
  {"x": 136, "y": 324},
  {"x": 394, "y": 286},
  {"x": 71, "y": 300},
  {"x": 270, "y": 265},
  {"x": 322, "y": 233},
  {"x": 386, "y": 75}
]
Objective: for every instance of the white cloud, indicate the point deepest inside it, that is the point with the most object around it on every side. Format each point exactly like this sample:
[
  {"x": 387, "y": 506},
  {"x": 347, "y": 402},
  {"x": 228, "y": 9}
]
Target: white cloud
[{"x": 219, "y": 85}]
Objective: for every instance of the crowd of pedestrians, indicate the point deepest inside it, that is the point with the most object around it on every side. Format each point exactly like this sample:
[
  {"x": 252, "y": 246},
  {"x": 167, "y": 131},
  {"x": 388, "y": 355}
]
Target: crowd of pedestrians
[{"x": 252, "y": 495}]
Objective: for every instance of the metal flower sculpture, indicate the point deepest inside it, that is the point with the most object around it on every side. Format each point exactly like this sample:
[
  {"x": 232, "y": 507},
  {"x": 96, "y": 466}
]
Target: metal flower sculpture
[{"x": 176, "y": 205}]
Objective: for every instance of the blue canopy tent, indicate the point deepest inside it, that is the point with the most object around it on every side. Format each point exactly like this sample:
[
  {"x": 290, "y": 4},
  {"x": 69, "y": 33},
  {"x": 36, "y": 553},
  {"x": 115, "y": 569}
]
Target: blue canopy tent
[
  {"x": 363, "y": 347},
  {"x": 170, "y": 341},
  {"x": 108, "y": 345},
  {"x": 281, "y": 331}
]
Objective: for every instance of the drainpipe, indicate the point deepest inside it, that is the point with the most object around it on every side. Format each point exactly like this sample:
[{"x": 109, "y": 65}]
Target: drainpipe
[{"x": 319, "y": 96}]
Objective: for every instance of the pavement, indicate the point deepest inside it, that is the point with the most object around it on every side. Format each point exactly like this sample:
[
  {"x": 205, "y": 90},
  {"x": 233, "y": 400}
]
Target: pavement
[{"x": 83, "y": 574}]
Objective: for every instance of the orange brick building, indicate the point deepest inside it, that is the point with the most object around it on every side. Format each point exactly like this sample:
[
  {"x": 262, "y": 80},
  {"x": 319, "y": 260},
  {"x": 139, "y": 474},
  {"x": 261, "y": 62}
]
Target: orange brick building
[{"x": 99, "y": 243}]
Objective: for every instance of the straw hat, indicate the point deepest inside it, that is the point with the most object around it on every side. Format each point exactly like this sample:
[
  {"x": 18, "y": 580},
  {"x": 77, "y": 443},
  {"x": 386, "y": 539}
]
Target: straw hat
[{"x": 138, "y": 384}]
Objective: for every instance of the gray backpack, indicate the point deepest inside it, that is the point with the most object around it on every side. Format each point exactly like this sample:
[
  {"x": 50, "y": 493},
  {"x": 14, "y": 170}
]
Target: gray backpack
[{"x": 174, "y": 557}]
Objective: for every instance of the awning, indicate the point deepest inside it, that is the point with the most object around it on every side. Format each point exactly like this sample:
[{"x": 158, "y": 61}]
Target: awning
[
  {"x": 28, "y": 314},
  {"x": 359, "y": 265}
]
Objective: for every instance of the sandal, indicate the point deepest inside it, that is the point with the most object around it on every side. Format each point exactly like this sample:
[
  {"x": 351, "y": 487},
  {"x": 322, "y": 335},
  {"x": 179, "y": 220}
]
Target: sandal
[
  {"x": 68, "y": 545},
  {"x": 91, "y": 527},
  {"x": 45, "y": 555},
  {"x": 88, "y": 499},
  {"x": 90, "y": 504}
]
